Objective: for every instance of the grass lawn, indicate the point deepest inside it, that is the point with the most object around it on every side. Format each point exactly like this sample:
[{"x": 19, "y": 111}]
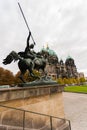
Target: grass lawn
[{"x": 79, "y": 89}]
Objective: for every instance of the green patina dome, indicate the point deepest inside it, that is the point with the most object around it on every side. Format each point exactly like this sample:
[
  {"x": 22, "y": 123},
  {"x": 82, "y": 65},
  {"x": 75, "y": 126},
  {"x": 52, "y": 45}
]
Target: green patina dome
[
  {"x": 50, "y": 52},
  {"x": 69, "y": 57}
]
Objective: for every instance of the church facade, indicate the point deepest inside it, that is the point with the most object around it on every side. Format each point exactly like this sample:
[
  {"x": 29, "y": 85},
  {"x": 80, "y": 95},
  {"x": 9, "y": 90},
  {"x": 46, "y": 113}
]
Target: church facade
[{"x": 58, "y": 68}]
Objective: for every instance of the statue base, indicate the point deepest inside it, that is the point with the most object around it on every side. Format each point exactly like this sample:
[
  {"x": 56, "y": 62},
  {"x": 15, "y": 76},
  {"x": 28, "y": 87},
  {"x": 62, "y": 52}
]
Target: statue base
[
  {"x": 37, "y": 107},
  {"x": 45, "y": 80}
]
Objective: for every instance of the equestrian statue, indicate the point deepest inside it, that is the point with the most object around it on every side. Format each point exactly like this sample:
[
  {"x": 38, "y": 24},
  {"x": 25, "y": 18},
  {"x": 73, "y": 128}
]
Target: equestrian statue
[{"x": 27, "y": 60}]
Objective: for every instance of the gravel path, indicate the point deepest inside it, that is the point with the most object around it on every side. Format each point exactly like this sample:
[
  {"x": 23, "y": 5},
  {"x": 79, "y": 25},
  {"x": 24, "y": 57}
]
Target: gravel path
[{"x": 75, "y": 106}]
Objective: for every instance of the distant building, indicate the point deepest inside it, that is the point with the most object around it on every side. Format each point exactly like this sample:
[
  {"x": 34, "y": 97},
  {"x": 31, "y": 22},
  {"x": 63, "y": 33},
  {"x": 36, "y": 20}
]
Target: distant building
[
  {"x": 57, "y": 68},
  {"x": 81, "y": 75}
]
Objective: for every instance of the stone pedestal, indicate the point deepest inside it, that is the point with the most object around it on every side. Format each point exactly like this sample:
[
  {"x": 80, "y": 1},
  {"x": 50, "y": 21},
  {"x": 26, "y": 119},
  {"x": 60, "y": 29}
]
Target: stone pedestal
[{"x": 47, "y": 100}]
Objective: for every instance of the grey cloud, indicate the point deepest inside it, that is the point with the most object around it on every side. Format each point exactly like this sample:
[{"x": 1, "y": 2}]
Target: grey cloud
[{"x": 60, "y": 23}]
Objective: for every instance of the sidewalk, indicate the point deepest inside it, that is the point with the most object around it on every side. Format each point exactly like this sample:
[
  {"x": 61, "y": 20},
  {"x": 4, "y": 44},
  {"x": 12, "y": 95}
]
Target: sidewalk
[{"x": 75, "y": 106}]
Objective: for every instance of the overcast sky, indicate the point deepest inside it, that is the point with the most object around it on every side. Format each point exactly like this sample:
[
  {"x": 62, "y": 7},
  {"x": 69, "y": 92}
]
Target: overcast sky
[{"x": 62, "y": 24}]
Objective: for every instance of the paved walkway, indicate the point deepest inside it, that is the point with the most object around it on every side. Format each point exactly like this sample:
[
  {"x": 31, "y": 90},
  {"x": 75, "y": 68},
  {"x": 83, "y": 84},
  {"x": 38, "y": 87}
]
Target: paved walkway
[{"x": 75, "y": 106}]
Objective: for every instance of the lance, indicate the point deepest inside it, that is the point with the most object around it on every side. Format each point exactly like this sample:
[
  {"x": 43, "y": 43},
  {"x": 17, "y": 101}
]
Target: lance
[{"x": 26, "y": 22}]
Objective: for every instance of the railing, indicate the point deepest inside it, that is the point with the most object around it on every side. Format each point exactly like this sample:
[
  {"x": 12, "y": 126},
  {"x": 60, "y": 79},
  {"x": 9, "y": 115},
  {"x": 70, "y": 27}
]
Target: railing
[{"x": 23, "y": 119}]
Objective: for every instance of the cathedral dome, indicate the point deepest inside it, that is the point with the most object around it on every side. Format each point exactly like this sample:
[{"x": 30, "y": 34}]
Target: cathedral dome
[
  {"x": 69, "y": 61},
  {"x": 49, "y": 51},
  {"x": 69, "y": 57}
]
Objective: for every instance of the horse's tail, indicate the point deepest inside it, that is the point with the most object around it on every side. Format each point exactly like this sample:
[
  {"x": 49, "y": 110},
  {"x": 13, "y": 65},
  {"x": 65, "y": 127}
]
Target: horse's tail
[
  {"x": 12, "y": 56},
  {"x": 8, "y": 59}
]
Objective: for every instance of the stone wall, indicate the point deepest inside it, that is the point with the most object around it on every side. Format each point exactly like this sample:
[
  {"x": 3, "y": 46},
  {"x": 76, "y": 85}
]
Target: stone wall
[{"x": 46, "y": 99}]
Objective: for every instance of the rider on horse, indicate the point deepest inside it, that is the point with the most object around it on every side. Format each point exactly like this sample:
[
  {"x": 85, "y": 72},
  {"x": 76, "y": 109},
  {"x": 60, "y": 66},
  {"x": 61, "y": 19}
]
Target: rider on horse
[
  {"x": 28, "y": 60},
  {"x": 29, "y": 53}
]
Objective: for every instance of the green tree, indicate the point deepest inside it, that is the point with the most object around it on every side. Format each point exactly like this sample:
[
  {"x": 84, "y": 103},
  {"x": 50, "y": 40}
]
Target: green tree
[
  {"x": 82, "y": 80},
  {"x": 60, "y": 81}
]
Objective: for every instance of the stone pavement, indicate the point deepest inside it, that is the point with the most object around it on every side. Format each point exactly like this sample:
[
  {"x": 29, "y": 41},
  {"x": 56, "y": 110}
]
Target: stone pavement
[{"x": 75, "y": 107}]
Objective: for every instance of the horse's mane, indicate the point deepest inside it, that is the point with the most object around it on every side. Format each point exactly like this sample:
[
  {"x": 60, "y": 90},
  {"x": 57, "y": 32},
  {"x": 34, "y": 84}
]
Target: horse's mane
[{"x": 22, "y": 54}]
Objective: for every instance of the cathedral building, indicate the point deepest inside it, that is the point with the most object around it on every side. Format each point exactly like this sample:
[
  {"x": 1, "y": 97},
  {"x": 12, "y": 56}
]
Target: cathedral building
[{"x": 57, "y": 68}]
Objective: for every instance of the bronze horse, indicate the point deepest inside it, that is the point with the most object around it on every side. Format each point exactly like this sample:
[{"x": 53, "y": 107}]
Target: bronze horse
[{"x": 25, "y": 64}]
